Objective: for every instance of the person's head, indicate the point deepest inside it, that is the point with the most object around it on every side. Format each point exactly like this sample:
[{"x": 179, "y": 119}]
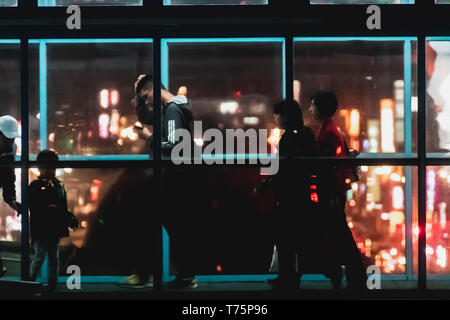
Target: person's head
[
  {"x": 47, "y": 156},
  {"x": 287, "y": 115},
  {"x": 9, "y": 131},
  {"x": 323, "y": 105},
  {"x": 144, "y": 89}
]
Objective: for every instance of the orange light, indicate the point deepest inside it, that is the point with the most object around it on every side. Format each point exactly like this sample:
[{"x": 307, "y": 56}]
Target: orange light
[
  {"x": 219, "y": 268},
  {"x": 356, "y": 145},
  {"x": 114, "y": 123},
  {"x": 354, "y": 123},
  {"x": 95, "y": 189},
  {"x": 387, "y": 104}
]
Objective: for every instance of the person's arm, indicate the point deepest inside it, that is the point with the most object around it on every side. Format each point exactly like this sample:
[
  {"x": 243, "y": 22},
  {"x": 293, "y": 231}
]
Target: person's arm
[{"x": 174, "y": 119}]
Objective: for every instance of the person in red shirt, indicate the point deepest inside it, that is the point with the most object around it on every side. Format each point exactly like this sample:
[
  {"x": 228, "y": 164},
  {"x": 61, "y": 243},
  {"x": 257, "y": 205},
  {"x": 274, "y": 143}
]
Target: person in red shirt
[{"x": 323, "y": 106}]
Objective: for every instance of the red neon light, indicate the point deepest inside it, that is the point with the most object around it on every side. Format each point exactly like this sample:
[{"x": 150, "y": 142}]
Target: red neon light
[
  {"x": 339, "y": 150},
  {"x": 314, "y": 197}
]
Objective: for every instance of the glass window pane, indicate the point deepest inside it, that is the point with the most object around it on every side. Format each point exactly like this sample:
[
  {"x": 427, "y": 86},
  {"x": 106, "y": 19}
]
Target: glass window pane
[
  {"x": 52, "y": 3},
  {"x": 442, "y": 1},
  {"x": 89, "y": 93},
  {"x": 8, "y": 3},
  {"x": 368, "y": 78},
  {"x": 216, "y": 2},
  {"x": 34, "y": 115},
  {"x": 232, "y": 231},
  {"x": 438, "y": 98},
  {"x": 10, "y": 96},
  {"x": 10, "y": 224},
  {"x": 362, "y": 1}
]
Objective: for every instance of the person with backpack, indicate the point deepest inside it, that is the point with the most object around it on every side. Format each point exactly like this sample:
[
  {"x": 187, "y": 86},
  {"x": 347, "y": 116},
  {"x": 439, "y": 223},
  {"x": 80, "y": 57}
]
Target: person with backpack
[
  {"x": 323, "y": 106},
  {"x": 50, "y": 219}
]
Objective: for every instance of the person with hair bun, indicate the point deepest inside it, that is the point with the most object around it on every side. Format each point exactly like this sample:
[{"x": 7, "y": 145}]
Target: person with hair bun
[{"x": 323, "y": 106}]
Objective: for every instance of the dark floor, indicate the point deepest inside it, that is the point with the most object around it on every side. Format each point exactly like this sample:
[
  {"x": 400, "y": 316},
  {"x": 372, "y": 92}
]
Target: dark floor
[{"x": 12, "y": 287}]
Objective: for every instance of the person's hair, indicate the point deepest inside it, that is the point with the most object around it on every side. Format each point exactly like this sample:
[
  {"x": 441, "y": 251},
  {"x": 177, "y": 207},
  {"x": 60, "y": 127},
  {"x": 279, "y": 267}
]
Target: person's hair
[
  {"x": 146, "y": 80},
  {"x": 326, "y": 103},
  {"x": 47, "y": 155},
  {"x": 291, "y": 114}
]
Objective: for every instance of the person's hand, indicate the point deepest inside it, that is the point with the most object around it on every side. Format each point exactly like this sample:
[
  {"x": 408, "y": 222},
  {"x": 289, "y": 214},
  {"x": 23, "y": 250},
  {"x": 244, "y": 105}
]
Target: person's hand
[{"x": 16, "y": 206}]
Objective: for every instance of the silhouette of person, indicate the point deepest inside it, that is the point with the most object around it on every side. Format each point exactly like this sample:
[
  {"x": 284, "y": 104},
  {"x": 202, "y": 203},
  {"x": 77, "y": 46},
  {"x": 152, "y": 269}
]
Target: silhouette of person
[
  {"x": 176, "y": 114},
  {"x": 323, "y": 106},
  {"x": 50, "y": 219}
]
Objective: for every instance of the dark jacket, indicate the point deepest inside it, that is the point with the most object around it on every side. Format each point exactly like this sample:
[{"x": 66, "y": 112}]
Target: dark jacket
[
  {"x": 49, "y": 217},
  {"x": 292, "y": 182},
  {"x": 176, "y": 114},
  {"x": 7, "y": 178},
  {"x": 331, "y": 141}
]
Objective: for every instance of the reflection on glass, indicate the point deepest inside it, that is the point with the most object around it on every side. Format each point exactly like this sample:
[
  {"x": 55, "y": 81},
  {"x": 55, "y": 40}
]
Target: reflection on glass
[
  {"x": 89, "y": 95},
  {"x": 437, "y": 221},
  {"x": 376, "y": 214},
  {"x": 442, "y": 1},
  {"x": 216, "y": 2},
  {"x": 438, "y": 98},
  {"x": 114, "y": 212},
  {"x": 362, "y": 1},
  {"x": 10, "y": 224},
  {"x": 231, "y": 85},
  {"x": 51, "y": 3},
  {"x": 239, "y": 226},
  {"x": 34, "y": 112},
  {"x": 369, "y": 80}
]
